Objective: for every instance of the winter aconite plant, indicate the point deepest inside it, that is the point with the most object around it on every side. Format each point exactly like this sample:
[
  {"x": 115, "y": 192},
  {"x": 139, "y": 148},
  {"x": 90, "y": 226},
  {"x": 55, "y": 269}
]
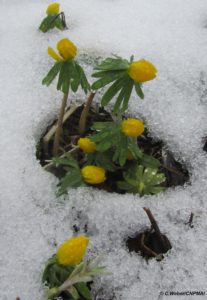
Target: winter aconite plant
[
  {"x": 54, "y": 18},
  {"x": 71, "y": 75},
  {"x": 105, "y": 154},
  {"x": 112, "y": 152},
  {"x": 123, "y": 75},
  {"x": 67, "y": 275},
  {"x": 142, "y": 180}
]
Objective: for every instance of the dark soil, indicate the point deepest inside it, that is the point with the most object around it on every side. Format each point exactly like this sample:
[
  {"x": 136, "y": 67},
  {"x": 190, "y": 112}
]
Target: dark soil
[
  {"x": 145, "y": 243},
  {"x": 151, "y": 242},
  {"x": 176, "y": 174}
]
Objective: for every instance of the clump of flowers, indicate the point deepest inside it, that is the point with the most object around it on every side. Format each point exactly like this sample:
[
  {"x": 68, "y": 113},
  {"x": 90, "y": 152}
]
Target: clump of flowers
[
  {"x": 54, "y": 18},
  {"x": 112, "y": 149},
  {"x": 67, "y": 274}
]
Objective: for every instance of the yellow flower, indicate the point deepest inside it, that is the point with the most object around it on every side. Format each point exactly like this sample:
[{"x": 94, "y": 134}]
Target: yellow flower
[
  {"x": 53, "y": 8},
  {"x": 87, "y": 145},
  {"x": 93, "y": 174},
  {"x": 142, "y": 70},
  {"x": 132, "y": 127},
  {"x": 72, "y": 251},
  {"x": 67, "y": 50}
]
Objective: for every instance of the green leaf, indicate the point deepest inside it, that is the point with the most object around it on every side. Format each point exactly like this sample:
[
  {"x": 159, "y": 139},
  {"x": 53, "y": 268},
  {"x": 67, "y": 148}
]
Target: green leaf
[
  {"x": 106, "y": 78},
  {"x": 83, "y": 80},
  {"x": 75, "y": 77},
  {"x": 148, "y": 174},
  {"x": 104, "y": 160},
  {"x": 139, "y": 172},
  {"x": 72, "y": 179},
  {"x": 139, "y": 90},
  {"x": 123, "y": 185},
  {"x": 78, "y": 78},
  {"x": 47, "y": 23},
  {"x": 156, "y": 189},
  {"x": 112, "y": 91},
  {"x": 100, "y": 136},
  {"x": 52, "y": 73},
  {"x": 83, "y": 290},
  {"x": 55, "y": 274},
  {"x": 64, "y": 77},
  {"x": 72, "y": 290},
  {"x": 116, "y": 154},
  {"x": 101, "y": 125},
  {"x": 122, "y": 157},
  {"x": 67, "y": 161},
  {"x": 119, "y": 101},
  {"x": 127, "y": 93},
  {"x": 59, "y": 23},
  {"x": 135, "y": 150},
  {"x": 104, "y": 145},
  {"x": 51, "y": 261},
  {"x": 113, "y": 64},
  {"x": 149, "y": 161},
  {"x": 78, "y": 269},
  {"x": 158, "y": 179}
]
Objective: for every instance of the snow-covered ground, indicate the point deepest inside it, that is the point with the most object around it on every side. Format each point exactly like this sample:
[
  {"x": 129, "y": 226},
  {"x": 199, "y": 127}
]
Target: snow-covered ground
[{"x": 173, "y": 35}]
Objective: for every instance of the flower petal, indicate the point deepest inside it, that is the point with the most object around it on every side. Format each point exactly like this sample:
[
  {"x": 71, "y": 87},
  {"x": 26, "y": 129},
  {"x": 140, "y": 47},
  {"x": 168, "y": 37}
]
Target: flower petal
[{"x": 53, "y": 54}]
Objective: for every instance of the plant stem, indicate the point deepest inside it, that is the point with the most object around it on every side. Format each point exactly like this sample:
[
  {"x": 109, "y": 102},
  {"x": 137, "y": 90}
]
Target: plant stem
[
  {"x": 59, "y": 125},
  {"x": 154, "y": 225},
  {"x": 84, "y": 114}
]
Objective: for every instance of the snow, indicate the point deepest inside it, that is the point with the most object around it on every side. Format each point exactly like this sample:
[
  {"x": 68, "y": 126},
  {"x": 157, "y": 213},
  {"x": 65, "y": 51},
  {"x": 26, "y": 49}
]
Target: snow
[{"x": 173, "y": 35}]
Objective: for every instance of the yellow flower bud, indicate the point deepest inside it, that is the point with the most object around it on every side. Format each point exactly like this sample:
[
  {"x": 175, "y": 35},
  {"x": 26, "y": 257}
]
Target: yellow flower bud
[
  {"x": 93, "y": 174},
  {"x": 142, "y": 70},
  {"x": 67, "y": 50},
  {"x": 72, "y": 251},
  {"x": 87, "y": 145},
  {"x": 53, "y": 8},
  {"x": 132, "y": 127}
]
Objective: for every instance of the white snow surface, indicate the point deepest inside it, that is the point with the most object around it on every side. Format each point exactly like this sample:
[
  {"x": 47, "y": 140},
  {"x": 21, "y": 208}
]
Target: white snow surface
[{"x": 173, "y": 35}]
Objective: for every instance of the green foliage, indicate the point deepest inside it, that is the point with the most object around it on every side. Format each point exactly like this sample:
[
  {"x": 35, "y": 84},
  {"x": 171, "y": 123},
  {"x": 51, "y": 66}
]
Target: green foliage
[
  {"x": 52, "y": 21},
  {"x": 114, "y": 71},
  {"x": 149, "y": 162},
  {"x": 110, "y": 136},
  {"x": 52, "y": 73},
  {"x": 71, "y": 75},
  {"x": 71, "y": 280},
  {"x": 72, "y": 178},
  {"x": 55, "y": 275},
  {"x": 139, "y": 179},
  {"x": 115, "y": 152},
  {"x": 101, "y": 159},
  {"x": 113, "y": 64}
]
